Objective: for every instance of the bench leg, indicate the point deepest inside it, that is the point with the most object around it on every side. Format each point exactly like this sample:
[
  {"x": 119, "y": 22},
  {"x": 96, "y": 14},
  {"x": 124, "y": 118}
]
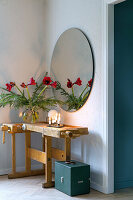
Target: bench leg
[
  {"x": 27, "y": 145},
  {"x": 28, "y": 171},
  {"x": 13, "y": 154},
  {"x": 67, "y": 149},
  {"x": 43, "y": 149},
  {"x": 48, "y": 166}
]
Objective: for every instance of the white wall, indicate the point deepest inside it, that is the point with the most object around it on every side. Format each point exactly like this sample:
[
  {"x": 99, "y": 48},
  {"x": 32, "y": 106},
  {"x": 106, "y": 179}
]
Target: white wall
[
  {"x": 22, "y": 55},
  {"x": 29, "y": 30},
  {"x": 87, "y": 16}
]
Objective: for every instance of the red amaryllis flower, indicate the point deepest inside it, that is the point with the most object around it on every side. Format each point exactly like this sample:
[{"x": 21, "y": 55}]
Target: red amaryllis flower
[
  {"x": 54, "y": 84},
  {"x": 78, "y": 82},
  {"x": 9, "y": 87},
  {"x": 32, "y": 82},
  {"x": 23, "y": 85},
  {"x": 47, "y": 80},
  {"x": 69, "y": 83},
  {"x": 12, "y": 84},
  {"x": 90, "y": 82}
]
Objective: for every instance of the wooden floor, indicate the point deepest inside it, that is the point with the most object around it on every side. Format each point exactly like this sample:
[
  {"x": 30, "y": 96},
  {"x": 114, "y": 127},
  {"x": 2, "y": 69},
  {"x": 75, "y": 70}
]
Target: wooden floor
[{"x": 30, "y": 189}]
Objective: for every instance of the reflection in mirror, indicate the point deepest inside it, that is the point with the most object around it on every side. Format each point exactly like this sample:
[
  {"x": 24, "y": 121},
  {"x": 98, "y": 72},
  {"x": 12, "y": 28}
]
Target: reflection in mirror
[{"x": 73, "y": 68}]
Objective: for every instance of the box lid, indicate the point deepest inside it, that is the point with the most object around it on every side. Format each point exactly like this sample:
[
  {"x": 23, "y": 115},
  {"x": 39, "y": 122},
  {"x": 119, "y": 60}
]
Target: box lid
[{"x": 71, "y": 165}]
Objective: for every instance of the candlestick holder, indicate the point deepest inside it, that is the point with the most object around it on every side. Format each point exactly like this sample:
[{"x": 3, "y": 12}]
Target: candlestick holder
[
  {"x": 56, "y": 125},
  {"x": 54, "y": 119}
]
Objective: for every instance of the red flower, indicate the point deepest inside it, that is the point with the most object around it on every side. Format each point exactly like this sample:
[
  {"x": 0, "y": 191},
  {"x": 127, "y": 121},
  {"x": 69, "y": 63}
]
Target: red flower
[
  {"x": 78, "y": 82},
  {"x": 32, "y": 82},
  {"x": 47, "y": 80},
  {"x": 23, "y": 85},
  {"x": 12, "y": 84},
  {"x": 9, "y": 87},
  {"x": 69, "y": 83},
  {"x": 90, "y": 83},
  {"x": 54, "y": 84}
]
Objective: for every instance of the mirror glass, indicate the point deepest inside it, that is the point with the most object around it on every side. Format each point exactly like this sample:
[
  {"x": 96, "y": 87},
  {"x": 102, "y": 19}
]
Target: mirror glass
[{"x": 72, "y": 67}]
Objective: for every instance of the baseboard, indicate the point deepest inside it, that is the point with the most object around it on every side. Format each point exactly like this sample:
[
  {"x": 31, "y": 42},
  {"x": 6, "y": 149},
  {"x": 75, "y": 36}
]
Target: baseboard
[
  {"x": 93, "y": 185},
  {"x": 7, "y": 171},
  {"x": 98, "y": 187}
]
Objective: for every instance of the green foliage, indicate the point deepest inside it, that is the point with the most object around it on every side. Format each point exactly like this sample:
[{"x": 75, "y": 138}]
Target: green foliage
[
  {"x": 36, "y": 102},
  {"x": 13, "y": 100},
  {"x": 72, "y": 101},
  {"x": 62, "y": 90},
  {"x": 43, "y": 103},
  {"x": 39, "y": 87}
]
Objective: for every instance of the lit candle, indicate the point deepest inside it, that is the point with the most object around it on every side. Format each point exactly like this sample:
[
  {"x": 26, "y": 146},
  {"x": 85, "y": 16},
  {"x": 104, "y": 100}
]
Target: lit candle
[
  {"x": 20, "y": 114},
  {"x": 58, "y": 121},
  {"x": 53, "y": 120},
  {"x": 56, "y": 118},
  {"x": 49, "y": 121}
]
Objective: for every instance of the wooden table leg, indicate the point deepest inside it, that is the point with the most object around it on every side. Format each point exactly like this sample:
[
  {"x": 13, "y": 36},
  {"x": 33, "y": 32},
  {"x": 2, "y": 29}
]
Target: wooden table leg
[
  {"x": 43, "y": 149},
  {"x": 3, "y": 141},
  {"x": 13, "y": 157},
  {"x": 13, "y": 154},
  {"x": 28, "y": 171},
  {"x": 48, "y": 166},
  {"x": 27, "y": 145},
  {"x": 67, "y": 149}
]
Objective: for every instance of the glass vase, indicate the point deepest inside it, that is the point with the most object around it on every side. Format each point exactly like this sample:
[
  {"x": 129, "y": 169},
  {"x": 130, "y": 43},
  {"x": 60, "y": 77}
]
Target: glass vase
[{"x": 30, "y": 116}]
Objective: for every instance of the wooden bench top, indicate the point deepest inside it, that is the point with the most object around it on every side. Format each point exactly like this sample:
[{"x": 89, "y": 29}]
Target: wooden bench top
[{"x": 66, "y": 130}]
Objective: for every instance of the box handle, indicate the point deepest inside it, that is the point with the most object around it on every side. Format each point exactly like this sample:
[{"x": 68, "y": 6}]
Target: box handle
[
  {"x": 62, "y": 179},
  {"x": 79, "y": 182}
]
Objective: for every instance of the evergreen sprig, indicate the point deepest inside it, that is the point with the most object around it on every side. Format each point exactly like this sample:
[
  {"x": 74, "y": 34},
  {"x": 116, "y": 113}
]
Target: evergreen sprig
[
  {"x": 38, "y": 100},
  {"x": 62, "y": 90},
  {"x": 72, "y": 101}
]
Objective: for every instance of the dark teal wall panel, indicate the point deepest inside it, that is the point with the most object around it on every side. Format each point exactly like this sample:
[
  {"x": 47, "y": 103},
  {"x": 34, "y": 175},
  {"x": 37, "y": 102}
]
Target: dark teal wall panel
[{"x": 124, "y": 94}]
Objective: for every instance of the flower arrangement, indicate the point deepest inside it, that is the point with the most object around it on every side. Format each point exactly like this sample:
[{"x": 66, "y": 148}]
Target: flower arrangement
[
  {"x": 72, "y": 101},
  {"x": 19, "y": 98}
]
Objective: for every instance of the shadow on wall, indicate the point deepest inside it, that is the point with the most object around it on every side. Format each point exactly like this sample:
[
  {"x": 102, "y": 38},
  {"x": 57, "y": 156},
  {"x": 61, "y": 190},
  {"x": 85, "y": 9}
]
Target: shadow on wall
[
  {"x": 14, "y": 116},
  {"x": 37, "y": 49},
  {"x": 89, "y": 149},
  {"x": 23, "y": 54}
]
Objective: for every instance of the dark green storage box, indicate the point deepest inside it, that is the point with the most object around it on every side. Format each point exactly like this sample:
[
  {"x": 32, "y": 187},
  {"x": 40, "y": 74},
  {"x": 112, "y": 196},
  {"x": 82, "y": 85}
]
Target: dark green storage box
[{"x": 72, "y": 179}]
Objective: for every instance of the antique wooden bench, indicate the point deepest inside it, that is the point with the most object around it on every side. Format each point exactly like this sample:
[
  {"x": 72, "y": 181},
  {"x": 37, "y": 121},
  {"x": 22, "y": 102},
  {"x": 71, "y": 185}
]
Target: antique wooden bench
[{"x": 48, "y": 152}]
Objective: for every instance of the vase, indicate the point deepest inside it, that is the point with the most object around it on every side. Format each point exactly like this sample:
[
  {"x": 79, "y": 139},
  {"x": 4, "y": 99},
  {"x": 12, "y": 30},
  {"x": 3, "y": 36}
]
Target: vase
[{"x": 30, "y": 116}]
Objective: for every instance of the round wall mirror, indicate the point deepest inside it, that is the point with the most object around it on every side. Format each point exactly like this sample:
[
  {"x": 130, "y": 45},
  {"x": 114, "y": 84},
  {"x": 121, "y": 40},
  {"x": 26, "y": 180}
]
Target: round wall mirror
[{"x": 72, "y": 67}]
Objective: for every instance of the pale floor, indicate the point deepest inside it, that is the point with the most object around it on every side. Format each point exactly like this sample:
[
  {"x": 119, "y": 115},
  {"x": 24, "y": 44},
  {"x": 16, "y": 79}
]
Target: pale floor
[{"x": 30, "y": 189}]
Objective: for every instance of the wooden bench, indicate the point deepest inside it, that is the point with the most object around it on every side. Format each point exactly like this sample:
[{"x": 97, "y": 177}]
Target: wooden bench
[{"x": 45, "y": 156}]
